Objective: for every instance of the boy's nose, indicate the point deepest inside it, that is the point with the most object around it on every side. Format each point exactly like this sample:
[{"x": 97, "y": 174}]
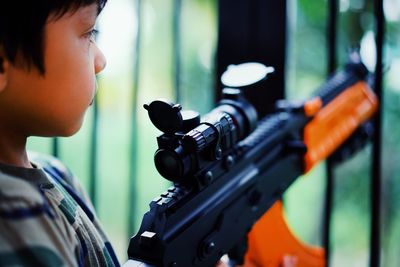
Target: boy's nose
[{"x": 99, "y": 61}]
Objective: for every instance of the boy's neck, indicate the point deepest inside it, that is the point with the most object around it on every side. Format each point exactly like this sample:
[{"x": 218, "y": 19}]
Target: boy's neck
[{"x": 13, "y": 151}]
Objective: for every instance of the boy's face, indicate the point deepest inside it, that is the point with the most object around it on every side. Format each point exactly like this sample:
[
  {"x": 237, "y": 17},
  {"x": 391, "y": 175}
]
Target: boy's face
[{"x": 54, "y": 104}]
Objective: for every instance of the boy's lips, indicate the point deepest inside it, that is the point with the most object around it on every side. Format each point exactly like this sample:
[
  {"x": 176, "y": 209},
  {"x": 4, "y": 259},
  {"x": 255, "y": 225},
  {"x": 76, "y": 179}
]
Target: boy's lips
[{"x": 93, "y": 98}]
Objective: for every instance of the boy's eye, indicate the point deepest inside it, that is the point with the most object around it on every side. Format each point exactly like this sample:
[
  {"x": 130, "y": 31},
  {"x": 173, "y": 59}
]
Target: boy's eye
[{"x": 91, "y": 35}]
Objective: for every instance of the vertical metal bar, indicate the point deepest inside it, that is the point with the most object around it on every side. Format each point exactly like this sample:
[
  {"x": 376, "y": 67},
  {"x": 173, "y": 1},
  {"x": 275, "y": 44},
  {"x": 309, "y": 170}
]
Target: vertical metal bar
[
  {"x": 375, "y": 242},
  {"x": 93, "y": 154},
  {"x": 332, "y": 64},
  {"x": 259, "y": 34},
  {"x": 55, "y": 147},
  {"x": 134, "y": 132},
  {"x": 176, "y": 47}
]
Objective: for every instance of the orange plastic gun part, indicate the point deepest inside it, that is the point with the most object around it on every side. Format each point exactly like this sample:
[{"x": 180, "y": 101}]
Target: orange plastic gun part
[
  {"x": 335, "y": 122},
  {"x": 271, "y": 243}
]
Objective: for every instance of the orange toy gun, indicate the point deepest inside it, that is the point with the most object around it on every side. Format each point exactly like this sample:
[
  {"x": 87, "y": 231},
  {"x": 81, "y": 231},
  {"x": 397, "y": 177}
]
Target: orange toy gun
[{"x": 230, "y": 170}]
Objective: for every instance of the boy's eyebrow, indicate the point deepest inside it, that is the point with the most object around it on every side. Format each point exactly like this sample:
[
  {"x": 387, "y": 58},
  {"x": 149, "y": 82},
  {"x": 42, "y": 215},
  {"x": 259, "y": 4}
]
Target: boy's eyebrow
[{"x": 88, "y": 15}]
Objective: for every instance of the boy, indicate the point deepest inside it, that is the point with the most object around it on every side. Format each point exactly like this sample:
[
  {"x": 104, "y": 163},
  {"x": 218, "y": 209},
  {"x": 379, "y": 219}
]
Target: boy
[{"x": 48, "y": 63}]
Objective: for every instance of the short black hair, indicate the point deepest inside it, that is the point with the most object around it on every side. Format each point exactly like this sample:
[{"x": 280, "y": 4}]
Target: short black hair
[{"x": 22, "y": 24}]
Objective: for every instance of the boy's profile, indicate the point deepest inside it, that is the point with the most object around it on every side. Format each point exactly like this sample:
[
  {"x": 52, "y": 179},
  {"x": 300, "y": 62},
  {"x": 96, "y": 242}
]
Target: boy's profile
[{"x": 48, "y": 63}]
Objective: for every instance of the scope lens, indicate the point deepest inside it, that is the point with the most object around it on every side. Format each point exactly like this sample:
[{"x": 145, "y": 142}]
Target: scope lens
[{"x": 168, "y": 164}]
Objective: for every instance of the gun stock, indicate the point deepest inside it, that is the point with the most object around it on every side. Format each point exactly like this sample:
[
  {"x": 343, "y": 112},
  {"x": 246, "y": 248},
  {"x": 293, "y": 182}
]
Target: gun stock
[{"x": 230, "y": 169}]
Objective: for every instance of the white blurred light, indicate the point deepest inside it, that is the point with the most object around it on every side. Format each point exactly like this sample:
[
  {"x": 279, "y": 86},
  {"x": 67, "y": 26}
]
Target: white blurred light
[
  {"x": 118, "y": 27},
  {"x": 205, "y": 55},
  {"x": 391, "y": 9},
  {"x": 344, "y": 5},
  {"x": 393, "y": 77},
  {"x": 368, "y": 50}
]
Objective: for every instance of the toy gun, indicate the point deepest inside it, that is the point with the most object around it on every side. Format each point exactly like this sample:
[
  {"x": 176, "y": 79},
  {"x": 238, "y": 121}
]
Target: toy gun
[{"x": 229, "y": 171}]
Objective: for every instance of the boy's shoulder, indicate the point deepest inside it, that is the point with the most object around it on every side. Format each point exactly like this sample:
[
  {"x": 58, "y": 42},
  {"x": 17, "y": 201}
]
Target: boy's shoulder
[
  {"x": 13, "y": 188},
  {"x": 58, "y": 170},
  {"x": 18, "y": 184},
  {"x": 53, "y": 165}
]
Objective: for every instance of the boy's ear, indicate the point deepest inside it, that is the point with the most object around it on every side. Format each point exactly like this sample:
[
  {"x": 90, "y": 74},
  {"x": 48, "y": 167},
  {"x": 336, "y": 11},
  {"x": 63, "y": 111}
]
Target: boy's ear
[{"x": 3, "y": 72}]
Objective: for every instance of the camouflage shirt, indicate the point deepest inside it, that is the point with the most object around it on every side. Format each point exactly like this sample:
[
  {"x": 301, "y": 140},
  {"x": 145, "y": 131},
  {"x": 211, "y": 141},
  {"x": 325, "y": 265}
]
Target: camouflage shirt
[{"x": 47, "y": 220}]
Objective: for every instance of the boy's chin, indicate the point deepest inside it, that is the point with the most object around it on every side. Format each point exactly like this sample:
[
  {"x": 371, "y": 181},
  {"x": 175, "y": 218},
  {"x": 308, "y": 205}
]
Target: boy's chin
[
  {"x": 64, "y": 131},
  {"x": 71, "y": 131},
  {"x": 56, "y": 128}
]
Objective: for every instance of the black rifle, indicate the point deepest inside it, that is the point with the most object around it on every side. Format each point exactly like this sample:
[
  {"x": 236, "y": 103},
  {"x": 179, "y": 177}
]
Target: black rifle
[{"x": 230, "y": 168}]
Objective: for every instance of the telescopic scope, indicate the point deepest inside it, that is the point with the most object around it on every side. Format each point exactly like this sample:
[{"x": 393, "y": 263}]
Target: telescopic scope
[{"x": 189, "y": 144}]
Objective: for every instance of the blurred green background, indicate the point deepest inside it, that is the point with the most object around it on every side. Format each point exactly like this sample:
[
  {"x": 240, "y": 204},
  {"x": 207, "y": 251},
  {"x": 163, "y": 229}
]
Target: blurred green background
[{"x": 307, "y": 50}]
